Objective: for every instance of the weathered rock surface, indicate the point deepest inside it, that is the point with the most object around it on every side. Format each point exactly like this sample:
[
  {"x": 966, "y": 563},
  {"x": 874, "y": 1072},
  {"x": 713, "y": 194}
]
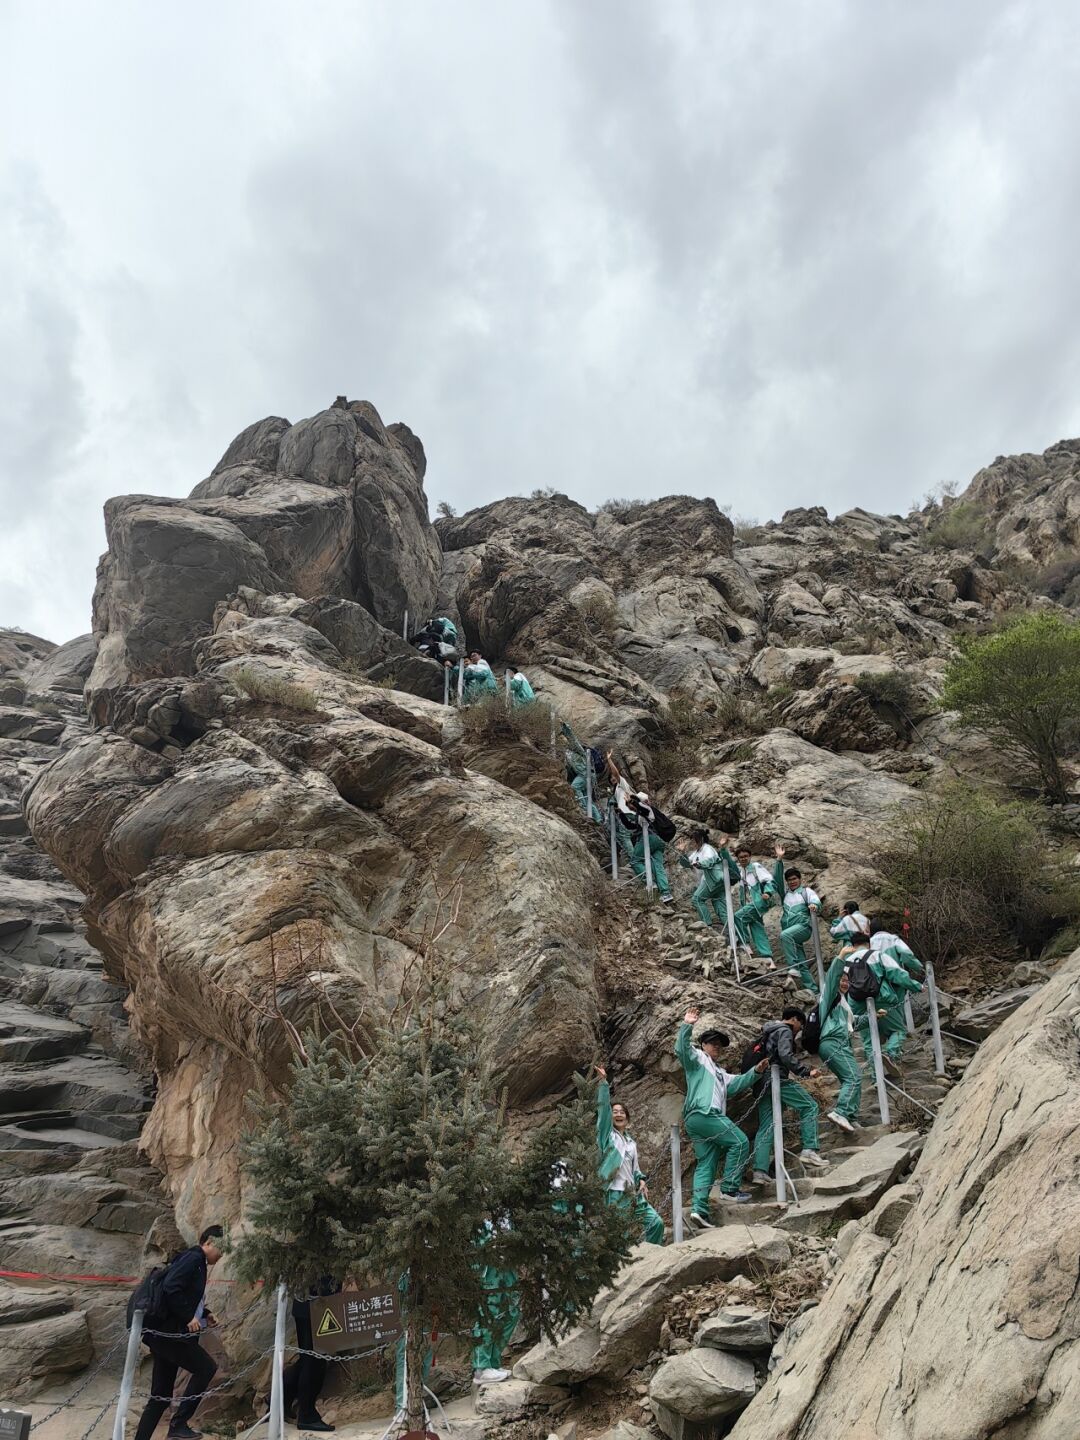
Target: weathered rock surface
[
  {"x": 978, "y": 1021},
  {"x": 40, "y": 1336},
  {"x": 853, "y": 1187},
  {"x": 702, "y": 1385},
  {"x": 625, "y": 1321},
  {"x": 967, "y": 1324},
  {"x": 736, "y": 1327}
]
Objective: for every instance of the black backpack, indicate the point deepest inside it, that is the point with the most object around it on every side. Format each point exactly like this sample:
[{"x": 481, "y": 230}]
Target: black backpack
[
  {"x": 147, "y": 1294},
  {"x": 811, "y": 1031},
  {"x": 663, "y": 825},
  {"x": 863, "y": 983},
  {"x": 754, "y": 1053}
]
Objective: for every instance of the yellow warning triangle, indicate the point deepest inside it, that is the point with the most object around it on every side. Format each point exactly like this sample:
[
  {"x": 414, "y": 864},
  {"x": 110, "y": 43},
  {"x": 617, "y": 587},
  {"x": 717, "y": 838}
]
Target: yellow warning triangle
[{"x": 329, "y": 1325}]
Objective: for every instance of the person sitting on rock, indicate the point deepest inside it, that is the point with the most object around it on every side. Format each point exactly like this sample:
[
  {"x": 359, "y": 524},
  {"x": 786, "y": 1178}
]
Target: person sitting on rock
[
  {"x": 715, "y": 1138},
  {"x": 889, "y": 1004},
  {"x": 521, "y": 692},
  {"x": 710, "y": 886},
  {"x": 757, "y": 889},
  {"x": 626, "y": 1185},
  {"x": 834, "y": 1047},
  {"x": 799, "y": 904},
  {"x": 884, "y": 942},
  {"x": 852, "y": 924},
  {"x": 779, "y": 1037}
]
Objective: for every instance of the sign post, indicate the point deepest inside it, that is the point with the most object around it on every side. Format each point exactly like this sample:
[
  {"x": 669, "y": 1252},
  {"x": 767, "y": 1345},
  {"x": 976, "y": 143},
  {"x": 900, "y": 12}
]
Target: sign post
[
  {"x": 676, "y": 1186},
  {"x": 778, "y": 1135},
  {"x": 879, "y": 1067},
  {"x": 935, "y": 1020},
  {"x": 733, "y": 937},
  {"x": 14, "y": 1424},
  {"x": 356, "y": 1320},
  {"x": 817, "y": 951},
  {"x": 127, "y": 1382}
]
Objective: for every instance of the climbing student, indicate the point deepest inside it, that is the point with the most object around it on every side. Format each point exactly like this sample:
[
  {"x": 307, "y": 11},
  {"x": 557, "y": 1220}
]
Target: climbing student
[
  {"x": 779, "y": 1044},
  {"x": 893, "y": 980},
  {"x": 577, "y": 757},
  {"x": 633, "y": 807},
  {"x": 438, "y": 638},
  {"x": 715, "y": 1138},
  {"x": 834, "y": 1047},
  {"x": 884, "y": 942},
  {"x": 710, "y": 886},
  {"x": 171, "y": 1334},
  {"x": 852, "y": 924},
  {"x": 757, "y": 888},
  {"x": 305, "y": 1377},
  {"x": 799, "y": 903},
  {"x": 492, "y": 1332},
  {"x": 479, "y": 678},
  {"x": 521, "y": 692},
  {"x": 626, "y": 1185}
]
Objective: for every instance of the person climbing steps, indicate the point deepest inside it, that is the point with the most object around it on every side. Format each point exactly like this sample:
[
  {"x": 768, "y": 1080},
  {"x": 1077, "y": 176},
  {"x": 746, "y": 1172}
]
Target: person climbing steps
[
  {"x": 837, "y": 1021},
  {"x": 800, "y": 902},
  {"x": 779, "y": 1045},
  {"x": 757, "y": 887}
]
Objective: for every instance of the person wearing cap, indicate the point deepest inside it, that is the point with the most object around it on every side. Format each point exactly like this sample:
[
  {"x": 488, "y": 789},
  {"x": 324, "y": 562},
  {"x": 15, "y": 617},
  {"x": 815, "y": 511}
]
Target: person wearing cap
[
  {"x": 715, "y": 1138},
  {"x": 626, "y": 1184}
]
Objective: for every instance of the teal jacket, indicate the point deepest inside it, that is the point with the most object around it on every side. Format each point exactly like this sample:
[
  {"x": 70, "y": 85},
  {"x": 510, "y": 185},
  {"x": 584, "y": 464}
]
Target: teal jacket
[
  {"x": 610, "y": 1159},
  {"x": 833, "y": 1020},
  {"x": 521, "y": 692},
  {"x": 903, "y": 954},
  {"x": 767, "y": 891},
  {"x": 894, "y": 982},
  {"x": 699, "y": 1082}
]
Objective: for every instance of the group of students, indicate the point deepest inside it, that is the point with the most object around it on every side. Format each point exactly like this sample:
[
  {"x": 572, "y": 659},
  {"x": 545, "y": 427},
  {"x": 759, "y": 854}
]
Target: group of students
[{"x": 437, "y": 638}]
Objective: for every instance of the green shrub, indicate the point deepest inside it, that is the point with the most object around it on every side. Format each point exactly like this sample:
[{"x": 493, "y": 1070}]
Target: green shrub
[
  {"x": 893, "y": 688},
  {"x": 598, "y": 612},
  {"x": 622, "y": 510},
  {"x": 488, "y": 721},
  {"x": 1060, "y": 581},
  {"x": 271, "y": 689},
  {"x": 1022, "y": 684},
  {"x": 963, "y": 526},
  {"x": 975, "y": 874}
]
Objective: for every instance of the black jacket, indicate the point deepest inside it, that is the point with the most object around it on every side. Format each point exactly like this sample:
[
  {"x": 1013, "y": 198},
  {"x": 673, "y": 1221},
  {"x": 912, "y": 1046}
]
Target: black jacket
[
  {"x": 780, "y": 1048},
  {"x": 181, "y": 1290}
]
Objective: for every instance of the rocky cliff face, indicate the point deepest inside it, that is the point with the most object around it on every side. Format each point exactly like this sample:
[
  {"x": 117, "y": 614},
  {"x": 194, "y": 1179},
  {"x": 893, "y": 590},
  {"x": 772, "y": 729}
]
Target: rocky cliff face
[{"x": 271, "y": 811}]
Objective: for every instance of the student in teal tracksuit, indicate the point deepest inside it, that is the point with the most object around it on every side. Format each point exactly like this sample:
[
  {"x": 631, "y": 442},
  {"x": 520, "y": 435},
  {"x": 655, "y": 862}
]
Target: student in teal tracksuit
[
  {"x": 632, "y": 807},
  {"x": 714, "y": 1136},
  {"x": 884, "y": 942},
  {"x": 799, "y": 903},
  {"x": 852, "y": 925},
  {"x": 889, "y": 1003},
  {"x": 521, "y": 692},
  {"x": 780, "y": 1050},
  {"x": 491, "y": 1334},
  {"x": 709, "y": 890},
  {"x": 834, "y": 1047},
  {"x": 756, "y": 889},
  {"x": 626, "y": 1185},
  {"x": 577, "y": 758}
]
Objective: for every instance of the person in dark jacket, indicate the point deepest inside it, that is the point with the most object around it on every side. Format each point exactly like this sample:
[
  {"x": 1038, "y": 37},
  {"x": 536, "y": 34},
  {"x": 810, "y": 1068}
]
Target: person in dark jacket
[
  {"x": 305, "y": 1377},
  {"x": 780, "y": 1050},
  {"x": 171, "y": 1334}
]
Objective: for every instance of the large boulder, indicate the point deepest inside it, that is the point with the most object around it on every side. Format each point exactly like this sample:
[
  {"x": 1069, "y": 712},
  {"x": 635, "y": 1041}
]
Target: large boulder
[
  {"x": 41, "y": 1336},
  {"x": 968, "y": 1323},
  {"x": 701, "y": 1385},
  {"x": 624, "y": 1323}
]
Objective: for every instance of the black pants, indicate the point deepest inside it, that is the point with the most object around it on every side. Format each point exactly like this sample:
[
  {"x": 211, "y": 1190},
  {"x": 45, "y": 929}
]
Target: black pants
[
  {"x": 169, "y": 1357},
  {"x": 304, "y": 1377}
]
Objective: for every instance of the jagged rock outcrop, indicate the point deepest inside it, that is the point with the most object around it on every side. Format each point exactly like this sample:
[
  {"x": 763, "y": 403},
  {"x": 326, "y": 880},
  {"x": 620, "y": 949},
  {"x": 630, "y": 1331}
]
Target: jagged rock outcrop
[{"x": 968, "y": 1322}]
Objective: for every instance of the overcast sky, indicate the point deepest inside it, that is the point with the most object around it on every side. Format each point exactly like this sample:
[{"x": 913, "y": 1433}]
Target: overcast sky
[{"x": 785, "y": 253}]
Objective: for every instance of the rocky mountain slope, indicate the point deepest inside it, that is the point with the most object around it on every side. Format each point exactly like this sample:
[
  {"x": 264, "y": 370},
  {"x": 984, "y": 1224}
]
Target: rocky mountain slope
[{"x": 270, "y": 810}]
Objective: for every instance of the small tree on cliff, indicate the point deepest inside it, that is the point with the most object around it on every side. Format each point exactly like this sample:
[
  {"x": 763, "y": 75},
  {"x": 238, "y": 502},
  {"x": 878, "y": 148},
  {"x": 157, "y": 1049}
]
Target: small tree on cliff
[
  {"x": 1023, "y": 685},
  {"x": 390, "y": 1167}
]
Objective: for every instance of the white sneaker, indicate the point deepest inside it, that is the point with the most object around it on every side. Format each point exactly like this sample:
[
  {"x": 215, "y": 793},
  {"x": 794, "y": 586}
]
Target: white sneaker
[
  {"x": 813, "y": 1159},
  {"x": 841, "y": 1120},
  {"x": 490, "y": 1377},
  {"x": 701, "y": 1221},
  {"x": 761, "y": 1177}
]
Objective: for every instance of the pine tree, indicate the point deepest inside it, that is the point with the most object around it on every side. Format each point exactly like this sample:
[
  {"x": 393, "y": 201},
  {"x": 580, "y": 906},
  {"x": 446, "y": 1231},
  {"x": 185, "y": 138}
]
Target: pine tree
[{"x": 393, "y": 1167}]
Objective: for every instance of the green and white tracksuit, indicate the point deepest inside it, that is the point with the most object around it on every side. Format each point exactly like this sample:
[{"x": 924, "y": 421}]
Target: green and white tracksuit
[
  {"x": 491, "y": 1334},
  {"x": 837, "y": 1029},
  {"x": 756, "y": 889},
  {"x": 656, "y": 851},
  {"x": 521, "y": 692},
  {"x": 619, "y": 1169},
  {"x": 710, "y": 885},
  {"x": 795, "y": 930},
  {"x": 714, "y": 1136},
  {"x": 479, "y": 680},
  {"x": 885, "y": 943},
  {"x": 576, "y": 761},
  {"x": 850, "y": 928},
  {"x": 892, "y": 1026},
  {"x": 780, "y": 1043}
]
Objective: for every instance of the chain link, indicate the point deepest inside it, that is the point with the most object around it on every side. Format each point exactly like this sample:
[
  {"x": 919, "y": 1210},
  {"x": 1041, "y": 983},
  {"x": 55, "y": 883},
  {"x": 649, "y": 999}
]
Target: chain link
[{"x": 94, "y": 1373}]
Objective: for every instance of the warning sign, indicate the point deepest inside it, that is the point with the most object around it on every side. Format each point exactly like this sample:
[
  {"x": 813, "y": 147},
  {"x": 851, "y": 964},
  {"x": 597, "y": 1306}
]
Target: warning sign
[
  {"x": 356, "y": 1319},
  {"x": 14, "y": 1424}
]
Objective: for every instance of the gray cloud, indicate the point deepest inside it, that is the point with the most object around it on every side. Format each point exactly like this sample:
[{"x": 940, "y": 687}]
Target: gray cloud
[{"x": 779, "y": 255}]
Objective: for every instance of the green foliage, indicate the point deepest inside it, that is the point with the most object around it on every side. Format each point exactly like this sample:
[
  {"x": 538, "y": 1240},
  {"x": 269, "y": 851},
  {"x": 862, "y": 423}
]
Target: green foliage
[
  {"x": 622, "y": 510},
  {"x": 488, "y": 721},
  {"x": 894, "y": 688},
  {"x": 272, "y": 689},
  {"x": 1022, "y": 684},
  {"x": 961, "y": 526},
  {"x": 976, "y": 874},
  {"x": 395, "y": 1165}
]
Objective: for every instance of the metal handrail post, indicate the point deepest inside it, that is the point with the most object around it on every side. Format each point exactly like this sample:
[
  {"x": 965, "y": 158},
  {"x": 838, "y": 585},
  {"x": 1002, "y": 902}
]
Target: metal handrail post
[
  {"x": 817, "y": 951},
  {"x": 935, "y": 1020},
  {"x": 733, "y": 936},
  {"x": 778, "y": 1135},
  {"x": 879, "y": 1066},
  {"x": 650, "y": 885},
  {"x": 127, "y": 1382},
  {"x": 676, "y": 1186},
  {"x": 277, "y": 1377}
]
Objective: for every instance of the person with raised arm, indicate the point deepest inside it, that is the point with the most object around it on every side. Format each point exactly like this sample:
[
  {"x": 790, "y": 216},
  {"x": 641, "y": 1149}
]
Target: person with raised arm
[
  {"x": 619, "y": 1168},
  {"x": 703, "y": 858}
]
